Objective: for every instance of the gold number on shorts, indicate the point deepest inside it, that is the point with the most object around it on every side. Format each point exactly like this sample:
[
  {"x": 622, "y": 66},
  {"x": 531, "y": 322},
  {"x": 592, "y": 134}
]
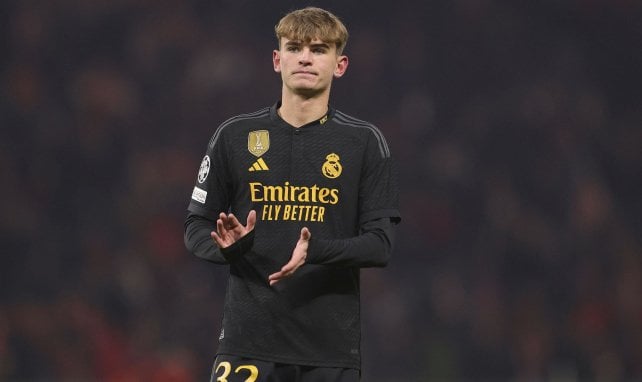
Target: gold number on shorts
[
  {"x": 254, "y": 372},
  {"x": 227, "y": 369}
]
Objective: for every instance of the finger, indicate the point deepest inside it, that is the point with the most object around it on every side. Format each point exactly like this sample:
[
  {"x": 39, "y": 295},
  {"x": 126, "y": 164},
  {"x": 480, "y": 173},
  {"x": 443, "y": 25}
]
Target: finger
[
  {"x": 220, "y": 228},
  {"x": 227, "y": 220},
  {"x": 283, "y": 273},
  {"x": 276, "y": 277},
  {"x": 251, "y": 220},
  {"x": 232, "y": 223},
  {"x": 305, "y": 234},
  {"x": 217, "y": 239},
  {"x": 287, "y": 270}
]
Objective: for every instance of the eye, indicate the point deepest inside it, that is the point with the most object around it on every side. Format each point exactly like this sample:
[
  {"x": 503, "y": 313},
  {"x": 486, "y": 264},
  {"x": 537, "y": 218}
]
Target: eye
[{"x": 292, "y": 48}]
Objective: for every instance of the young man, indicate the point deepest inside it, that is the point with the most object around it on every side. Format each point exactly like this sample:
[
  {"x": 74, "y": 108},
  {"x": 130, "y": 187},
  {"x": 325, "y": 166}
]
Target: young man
[{"x": 320, "y": 195}]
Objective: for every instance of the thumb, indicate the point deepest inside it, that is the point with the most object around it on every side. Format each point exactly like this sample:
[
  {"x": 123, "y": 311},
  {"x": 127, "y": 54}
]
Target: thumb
[
  {"x": 305, "y": 234},
  {"x": 251, "y": 220}
]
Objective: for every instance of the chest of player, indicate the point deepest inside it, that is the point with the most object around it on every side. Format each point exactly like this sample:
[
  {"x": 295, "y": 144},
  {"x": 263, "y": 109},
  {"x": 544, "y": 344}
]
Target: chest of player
[
  {"x": 309, "y": 156},
  {"x": 310, "y": 169}
]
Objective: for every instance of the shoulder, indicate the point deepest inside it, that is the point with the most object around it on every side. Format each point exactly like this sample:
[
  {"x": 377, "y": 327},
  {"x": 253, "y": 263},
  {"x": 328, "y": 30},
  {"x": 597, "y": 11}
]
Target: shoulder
[
  {"x": 363, "y": 127},
  {"x": 238, "y": 120}
]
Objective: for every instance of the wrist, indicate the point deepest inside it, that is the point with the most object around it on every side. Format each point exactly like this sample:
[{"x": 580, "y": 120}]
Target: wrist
[{"x": 239, "y": 248}]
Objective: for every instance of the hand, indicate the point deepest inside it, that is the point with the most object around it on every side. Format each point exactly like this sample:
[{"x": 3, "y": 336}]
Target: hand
[
  {"x": 299, "y": 255},
  {"x": 229, "y": 229}
]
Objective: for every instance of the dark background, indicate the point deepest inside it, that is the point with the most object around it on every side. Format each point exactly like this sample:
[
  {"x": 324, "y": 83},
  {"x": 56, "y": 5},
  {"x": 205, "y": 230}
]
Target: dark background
[{"x": 517, "y": 130}]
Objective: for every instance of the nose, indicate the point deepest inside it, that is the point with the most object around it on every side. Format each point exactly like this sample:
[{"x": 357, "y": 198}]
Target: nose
[{"x": 305, "y": 56}]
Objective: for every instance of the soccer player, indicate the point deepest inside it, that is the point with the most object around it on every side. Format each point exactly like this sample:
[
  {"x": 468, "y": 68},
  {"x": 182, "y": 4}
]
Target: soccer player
[{"x": 318, "y": 191}]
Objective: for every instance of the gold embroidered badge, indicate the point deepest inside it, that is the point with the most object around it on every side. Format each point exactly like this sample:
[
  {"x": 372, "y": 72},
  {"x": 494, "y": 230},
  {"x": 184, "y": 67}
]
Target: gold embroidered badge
[
  {"x": 332, "y": 168},
  {"x": 258, "y": 142}
]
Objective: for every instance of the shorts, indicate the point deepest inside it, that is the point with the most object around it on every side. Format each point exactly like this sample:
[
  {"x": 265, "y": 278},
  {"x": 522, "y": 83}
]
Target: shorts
[{"x": 229, "y": 368}]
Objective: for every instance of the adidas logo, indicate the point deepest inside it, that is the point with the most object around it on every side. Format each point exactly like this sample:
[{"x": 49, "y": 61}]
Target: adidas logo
[{"x": 259, "y": 165}]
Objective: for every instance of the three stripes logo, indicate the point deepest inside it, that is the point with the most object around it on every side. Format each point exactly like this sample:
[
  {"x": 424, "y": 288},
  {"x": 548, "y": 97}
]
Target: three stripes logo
[{"x": 259, "y": 165}]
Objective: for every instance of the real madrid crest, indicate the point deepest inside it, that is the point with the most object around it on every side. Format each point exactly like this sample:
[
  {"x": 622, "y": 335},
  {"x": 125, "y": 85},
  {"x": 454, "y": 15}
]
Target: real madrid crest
[
  {"x": 331, "y": 167},
  {"x": 258, "y": 142}
]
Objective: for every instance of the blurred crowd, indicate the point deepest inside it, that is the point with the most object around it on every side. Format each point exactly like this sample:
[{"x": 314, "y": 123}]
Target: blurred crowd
[{"x": 517, "y": 129}]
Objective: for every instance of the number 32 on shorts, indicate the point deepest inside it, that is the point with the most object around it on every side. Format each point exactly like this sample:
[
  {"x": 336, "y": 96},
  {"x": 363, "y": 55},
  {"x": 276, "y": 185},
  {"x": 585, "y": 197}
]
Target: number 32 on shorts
[{"x": 227, "y": 370}]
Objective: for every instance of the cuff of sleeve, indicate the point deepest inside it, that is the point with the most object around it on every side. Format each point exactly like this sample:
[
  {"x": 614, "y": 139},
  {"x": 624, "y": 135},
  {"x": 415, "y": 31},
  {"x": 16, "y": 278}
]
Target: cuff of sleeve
[
  {"x": 239, "y": 248},
  {"x": 315, "y": 251}
]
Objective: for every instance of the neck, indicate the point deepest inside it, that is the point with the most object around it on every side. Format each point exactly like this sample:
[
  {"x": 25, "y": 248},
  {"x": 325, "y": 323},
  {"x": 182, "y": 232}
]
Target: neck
[{"x": 298, "y": 110}]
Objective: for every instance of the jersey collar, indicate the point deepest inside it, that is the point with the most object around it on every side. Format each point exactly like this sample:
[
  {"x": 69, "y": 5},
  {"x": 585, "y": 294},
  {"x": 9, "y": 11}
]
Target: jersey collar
[{"x": 274, "y": 115}]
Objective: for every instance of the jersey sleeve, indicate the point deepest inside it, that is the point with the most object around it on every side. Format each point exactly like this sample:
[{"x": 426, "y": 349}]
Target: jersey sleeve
[
  {"x": 371, "y": 248},
  {"x": 211, "y": 193},
  {"x": 378, "y": 189},
  {"x": 210, "y": 197}
]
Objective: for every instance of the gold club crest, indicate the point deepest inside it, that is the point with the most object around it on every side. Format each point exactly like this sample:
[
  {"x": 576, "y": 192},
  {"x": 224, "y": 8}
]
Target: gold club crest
[
  {"x": 258, "y": 142},
  {"x": 332, "y": 168}
]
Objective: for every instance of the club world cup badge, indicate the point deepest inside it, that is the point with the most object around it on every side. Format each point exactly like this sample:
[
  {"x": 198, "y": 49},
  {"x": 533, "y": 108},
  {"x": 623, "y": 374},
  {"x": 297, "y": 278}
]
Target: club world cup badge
[
  {"x": 331, "y": 167},
  {"x": 258, "y": 142}
]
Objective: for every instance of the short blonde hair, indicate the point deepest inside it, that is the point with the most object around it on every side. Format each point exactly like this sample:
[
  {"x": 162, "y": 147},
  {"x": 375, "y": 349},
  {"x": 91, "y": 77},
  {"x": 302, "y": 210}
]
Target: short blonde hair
[{"x": 312, "y": 23}]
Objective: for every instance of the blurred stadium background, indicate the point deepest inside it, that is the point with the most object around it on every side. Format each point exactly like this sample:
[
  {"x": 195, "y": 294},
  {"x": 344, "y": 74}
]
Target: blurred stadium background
[{"x": 516, "y": 125}]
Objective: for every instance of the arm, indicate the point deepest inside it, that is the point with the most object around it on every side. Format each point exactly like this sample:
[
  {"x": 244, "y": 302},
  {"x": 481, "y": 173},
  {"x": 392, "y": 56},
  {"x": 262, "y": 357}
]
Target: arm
[
  {"x": 198, "y": 239},
  {"x": 378, "y": 212},
  {"x": 371, "y": 248},
  {"x": 210, "y": 196}
]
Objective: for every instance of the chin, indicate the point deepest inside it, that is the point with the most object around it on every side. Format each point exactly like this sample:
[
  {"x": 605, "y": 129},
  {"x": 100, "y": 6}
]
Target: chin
[
  {"x": 307, "y": 88},
  {"x": 307, "y": 92}
]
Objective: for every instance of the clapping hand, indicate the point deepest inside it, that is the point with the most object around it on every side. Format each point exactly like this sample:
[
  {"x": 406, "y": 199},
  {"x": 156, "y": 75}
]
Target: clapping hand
[{"x": 229, "y": 229}]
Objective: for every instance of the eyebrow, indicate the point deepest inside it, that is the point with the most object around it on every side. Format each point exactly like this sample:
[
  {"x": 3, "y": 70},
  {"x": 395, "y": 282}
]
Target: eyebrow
[
  {"x": 320, "y": 45},
  {"x": 300, "y": 42}
]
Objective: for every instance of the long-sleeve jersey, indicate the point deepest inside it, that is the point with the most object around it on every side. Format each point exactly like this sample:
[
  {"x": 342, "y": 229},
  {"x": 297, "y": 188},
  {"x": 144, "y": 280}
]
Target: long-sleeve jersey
[{"x": 334, "y": 176}]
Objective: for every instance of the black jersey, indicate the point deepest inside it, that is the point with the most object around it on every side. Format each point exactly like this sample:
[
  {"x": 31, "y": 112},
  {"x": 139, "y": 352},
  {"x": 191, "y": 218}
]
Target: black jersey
[{"x": 332, "y": 176}]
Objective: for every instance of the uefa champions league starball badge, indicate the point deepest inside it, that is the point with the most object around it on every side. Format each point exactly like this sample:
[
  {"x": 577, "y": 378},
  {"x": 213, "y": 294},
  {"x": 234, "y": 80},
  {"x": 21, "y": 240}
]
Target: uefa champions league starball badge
[{"x": 204, "y": 170}]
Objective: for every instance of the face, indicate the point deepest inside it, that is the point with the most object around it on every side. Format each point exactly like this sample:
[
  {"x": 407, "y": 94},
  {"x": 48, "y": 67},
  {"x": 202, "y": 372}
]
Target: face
[{"x": 308, "y": 68}]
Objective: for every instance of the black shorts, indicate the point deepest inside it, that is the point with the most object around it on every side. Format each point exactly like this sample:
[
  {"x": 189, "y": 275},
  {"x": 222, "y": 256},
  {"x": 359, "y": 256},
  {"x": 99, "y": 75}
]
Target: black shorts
[{"x": 229, "y": 368}]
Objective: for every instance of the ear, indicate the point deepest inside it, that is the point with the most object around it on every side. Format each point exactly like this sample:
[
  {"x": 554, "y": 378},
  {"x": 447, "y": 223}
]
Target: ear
[
  {"x": 276, "y": 60},
  {"x": 342, "y": 66}
]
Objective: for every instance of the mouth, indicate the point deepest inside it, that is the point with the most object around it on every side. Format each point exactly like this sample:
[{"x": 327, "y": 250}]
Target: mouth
[{"x": 304, "y": 72}]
